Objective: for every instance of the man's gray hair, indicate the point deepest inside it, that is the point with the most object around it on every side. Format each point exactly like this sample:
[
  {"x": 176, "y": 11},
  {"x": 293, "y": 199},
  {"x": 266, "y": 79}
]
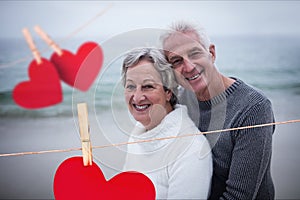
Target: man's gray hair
[{"x": 187, "y": 27}]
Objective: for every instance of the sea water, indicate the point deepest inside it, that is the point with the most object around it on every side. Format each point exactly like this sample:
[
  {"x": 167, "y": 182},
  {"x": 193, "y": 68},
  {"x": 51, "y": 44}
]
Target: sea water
[{"x": 269, "y": 63}]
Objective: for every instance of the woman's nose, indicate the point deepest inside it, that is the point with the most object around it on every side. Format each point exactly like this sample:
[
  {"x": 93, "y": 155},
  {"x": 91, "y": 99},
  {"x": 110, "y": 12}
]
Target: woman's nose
[{"x": 138, "y": 95}]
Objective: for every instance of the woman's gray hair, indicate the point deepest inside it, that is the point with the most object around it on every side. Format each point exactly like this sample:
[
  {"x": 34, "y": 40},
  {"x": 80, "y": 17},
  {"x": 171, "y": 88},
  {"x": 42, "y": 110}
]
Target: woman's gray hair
[
  {"x": 160, "y": 63},
  {"x": 187, "y": 27}
]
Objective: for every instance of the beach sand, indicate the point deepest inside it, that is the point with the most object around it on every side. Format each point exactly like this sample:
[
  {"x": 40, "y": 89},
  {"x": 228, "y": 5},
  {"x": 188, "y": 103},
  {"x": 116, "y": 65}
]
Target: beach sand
[{"x": 31, "y": 176}]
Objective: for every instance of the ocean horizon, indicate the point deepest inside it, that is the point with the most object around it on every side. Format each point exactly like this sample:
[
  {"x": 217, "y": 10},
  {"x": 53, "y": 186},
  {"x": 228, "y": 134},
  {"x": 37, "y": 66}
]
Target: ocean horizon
[{"x": 269, "y": 63}]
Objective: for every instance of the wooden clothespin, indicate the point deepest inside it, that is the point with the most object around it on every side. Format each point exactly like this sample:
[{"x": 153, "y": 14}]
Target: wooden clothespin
[
  {"x": 48, "y": 40},
  {"x": 85, "y": 134},
  {"x": 29, "y": 40}
]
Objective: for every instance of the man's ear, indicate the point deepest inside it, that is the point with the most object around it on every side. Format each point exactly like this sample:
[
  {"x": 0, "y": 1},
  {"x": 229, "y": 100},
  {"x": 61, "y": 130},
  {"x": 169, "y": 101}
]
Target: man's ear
[{"x": 212, "y": 52}]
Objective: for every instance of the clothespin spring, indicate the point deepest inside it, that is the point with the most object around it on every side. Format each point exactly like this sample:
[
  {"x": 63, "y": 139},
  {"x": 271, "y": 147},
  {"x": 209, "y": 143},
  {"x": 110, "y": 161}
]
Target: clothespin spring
[{"x": 84, "y": 129}]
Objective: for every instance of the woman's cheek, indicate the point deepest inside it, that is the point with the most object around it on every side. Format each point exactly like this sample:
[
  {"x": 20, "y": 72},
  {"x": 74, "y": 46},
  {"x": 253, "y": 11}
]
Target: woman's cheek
[{"x": 127, "y": 97}]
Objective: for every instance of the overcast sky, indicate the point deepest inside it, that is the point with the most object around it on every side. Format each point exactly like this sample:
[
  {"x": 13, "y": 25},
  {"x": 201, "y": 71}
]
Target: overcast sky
[{"x": 60, "y": 18}]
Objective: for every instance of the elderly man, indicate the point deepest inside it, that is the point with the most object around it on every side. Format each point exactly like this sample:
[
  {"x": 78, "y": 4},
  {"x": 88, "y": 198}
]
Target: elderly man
[{"x": 241, "y": 158}]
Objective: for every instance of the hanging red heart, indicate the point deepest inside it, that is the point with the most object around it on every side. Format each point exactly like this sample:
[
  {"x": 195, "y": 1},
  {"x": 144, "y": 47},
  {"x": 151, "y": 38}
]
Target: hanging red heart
[
  {"x": 79, "y": 70},
  {"x": 42, "y": 90},
  {"x": 74, "y": 181}
]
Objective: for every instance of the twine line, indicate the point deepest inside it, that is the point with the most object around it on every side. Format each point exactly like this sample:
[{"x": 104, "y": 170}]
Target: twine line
[
  {"x": 67, "y": 37},
  {"x": 150, "y": 140}
]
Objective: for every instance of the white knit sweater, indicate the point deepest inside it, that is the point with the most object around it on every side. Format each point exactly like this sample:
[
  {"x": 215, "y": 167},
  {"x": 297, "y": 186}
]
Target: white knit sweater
[{"x": 179, "y": 168}]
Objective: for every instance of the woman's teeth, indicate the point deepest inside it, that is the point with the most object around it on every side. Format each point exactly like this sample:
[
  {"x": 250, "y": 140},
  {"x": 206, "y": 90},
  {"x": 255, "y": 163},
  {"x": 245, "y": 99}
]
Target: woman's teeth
[{"x": 141, "y": 107}]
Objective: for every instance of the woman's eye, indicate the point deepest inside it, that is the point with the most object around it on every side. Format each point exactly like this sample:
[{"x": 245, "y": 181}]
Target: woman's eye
[
  {"x": 147, "y": 87},
  {"x": 130, "y": 87}
]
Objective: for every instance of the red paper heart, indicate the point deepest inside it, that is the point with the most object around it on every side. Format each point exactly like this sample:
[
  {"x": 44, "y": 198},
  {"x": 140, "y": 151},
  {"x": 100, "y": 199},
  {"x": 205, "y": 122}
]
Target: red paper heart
[
  {"x": 42, "y": 90},
  {"x": 74, "y": 181},
  {"x": 79, "y": 70}
]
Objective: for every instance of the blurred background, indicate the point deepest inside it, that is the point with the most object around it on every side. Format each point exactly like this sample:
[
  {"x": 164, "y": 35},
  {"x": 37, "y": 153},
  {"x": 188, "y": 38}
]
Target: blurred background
[{"x": 258, "y": 42}]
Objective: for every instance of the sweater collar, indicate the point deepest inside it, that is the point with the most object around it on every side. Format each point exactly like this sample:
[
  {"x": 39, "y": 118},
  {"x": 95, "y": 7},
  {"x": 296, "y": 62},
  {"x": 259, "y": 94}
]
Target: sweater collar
[
  {"x": 221, "y": 97},
  {"x": 169, "y": 127}
]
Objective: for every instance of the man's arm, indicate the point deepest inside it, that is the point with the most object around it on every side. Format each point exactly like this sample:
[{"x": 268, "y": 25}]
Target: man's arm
[{"x": 251, "y": 155}]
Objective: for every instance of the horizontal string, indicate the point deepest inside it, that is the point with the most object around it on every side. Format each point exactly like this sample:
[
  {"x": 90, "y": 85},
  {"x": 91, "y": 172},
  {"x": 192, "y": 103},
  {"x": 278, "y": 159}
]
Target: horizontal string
[{"x": 150, "y": 140}]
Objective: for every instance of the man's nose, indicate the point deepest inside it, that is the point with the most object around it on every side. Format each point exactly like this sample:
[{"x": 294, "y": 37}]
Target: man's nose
[{"x": 188, "y": 66}]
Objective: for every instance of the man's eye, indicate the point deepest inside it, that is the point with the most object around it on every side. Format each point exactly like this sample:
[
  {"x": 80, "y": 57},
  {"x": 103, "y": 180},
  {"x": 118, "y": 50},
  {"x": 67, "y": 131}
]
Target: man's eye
[
  {"x": 195, "y": 54},
  {"x": 176, "y": 62}
]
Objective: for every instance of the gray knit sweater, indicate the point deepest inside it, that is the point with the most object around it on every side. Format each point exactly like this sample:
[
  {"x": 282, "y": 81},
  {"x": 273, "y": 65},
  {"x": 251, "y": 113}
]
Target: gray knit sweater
[{"x": 241, "y": 159}]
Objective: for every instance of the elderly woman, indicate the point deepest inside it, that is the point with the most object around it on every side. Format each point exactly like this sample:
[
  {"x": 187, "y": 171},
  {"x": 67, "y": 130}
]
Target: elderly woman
[{"x": 179, "y": 168}]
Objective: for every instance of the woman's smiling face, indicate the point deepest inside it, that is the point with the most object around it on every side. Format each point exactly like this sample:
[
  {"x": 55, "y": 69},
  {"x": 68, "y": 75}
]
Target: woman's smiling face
[{"x": 145, "y": 96}]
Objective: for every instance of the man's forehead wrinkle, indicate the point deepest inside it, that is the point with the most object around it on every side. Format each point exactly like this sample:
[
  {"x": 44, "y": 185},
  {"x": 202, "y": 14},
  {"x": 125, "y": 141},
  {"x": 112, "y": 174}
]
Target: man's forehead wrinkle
[
  {"x": 179, "y": 40},
  {"x": 182, "y": 49}
]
